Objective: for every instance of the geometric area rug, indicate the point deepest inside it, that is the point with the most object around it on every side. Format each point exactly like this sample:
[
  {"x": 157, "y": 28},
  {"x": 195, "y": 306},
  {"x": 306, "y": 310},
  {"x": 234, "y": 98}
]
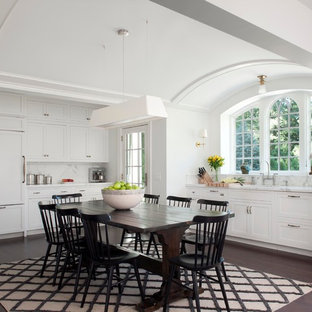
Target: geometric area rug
[{"x": 22, "y": 289}]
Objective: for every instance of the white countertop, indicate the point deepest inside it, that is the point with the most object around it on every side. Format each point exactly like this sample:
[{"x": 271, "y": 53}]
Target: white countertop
[
  {"x": 278, "y": 188},
  {"x": 69, "y": 184}
]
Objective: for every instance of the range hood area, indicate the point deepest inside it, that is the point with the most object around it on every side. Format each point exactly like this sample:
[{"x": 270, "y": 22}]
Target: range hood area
[{"x": 145, "y": 108}]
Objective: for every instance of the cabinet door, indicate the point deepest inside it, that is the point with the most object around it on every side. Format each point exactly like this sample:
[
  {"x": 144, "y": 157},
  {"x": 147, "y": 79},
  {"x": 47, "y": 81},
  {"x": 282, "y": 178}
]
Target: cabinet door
[
  {"x": 11, "y": 104},
  {"x": 79, "y": 113},
  {"x": 11, "y": 168},
  {"x": 33, "y": 215},
  {"x": 35, "y": 109},
  {"x": 35, "y": 140},
  {"x": 56, "y": 111},
  {"x": 260, "y": 222},
  {"x": 97, "y": 145},
  {"x": 238, "y": 226},
  {"x": 55, "y": 142},
  {"x": 11, "y": 219},
  {"x": 78, "y": 143}
]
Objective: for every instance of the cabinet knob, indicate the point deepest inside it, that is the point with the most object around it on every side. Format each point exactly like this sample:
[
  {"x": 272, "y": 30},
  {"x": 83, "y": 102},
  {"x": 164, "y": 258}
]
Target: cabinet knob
[
  {"x": 294, "y": 196},
  {"x": 36, "y": 193},
  {"x": 293, "y": 226},
  {"x": 88, "y": 118},
  {"x": 213, "y": 191}
]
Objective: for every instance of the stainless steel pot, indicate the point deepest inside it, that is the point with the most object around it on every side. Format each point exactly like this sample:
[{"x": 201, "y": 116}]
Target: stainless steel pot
[
  {"x": 30, "y": 179},
  {"x": 47, "y": 180},
  {"x": 39, "y": 178}
]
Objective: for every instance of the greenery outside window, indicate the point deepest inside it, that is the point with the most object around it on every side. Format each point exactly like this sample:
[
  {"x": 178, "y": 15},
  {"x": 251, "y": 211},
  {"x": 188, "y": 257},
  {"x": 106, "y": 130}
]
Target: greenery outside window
[
  {"x": 284, "y": 135},
  {"x": 247, "y": 137}
]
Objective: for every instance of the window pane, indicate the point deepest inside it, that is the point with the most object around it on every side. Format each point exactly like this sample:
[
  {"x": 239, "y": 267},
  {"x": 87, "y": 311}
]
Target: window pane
[
  {"x": 255, "y": 137},
  {"x": 247, "y": 125},
  {"x": 256, "y": 164},
  {"x": 255, "y": 151},
  {"x": 294, "y": 163},
  {"x": 239, "y": 117},
  {"x": 255, "y": 113},
  {"x": 247, "y": 151},
  {"x": 283, "y": 164},
  {"x": 294, "y": 149},
  {"x": 274, "y": 150},
  {"x": 255, "y": 124},
  {"x": 273, "y": 123},
  {"x": 239, "y": 126},
  {"x": 284, "y": 149},
  {"x": 247, "y": 115},
  {"x": 273, "y": 164},
  {"x": 239, "y": 152},
  {"x": 247, "y": 162},
  {"x": 284, "y": 107},
  {"x": 274, "y": 110},
  {"x": 294, "y": 135},
  {"x": 284, "y": 135},
  {"x": 239, "y": 139},
  {"x": 239, "y": 162},
  {"x": 294, "y": 107},
  {"x": 247, "y": 138},
  {"x": 284, "y": 121},
  {"x": 294, "y": 120},
  {"x": 273, "y": 136}
]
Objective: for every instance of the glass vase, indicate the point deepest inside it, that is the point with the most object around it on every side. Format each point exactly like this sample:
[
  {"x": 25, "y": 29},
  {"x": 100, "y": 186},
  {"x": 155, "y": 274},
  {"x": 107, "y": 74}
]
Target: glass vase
[{"x": 217, "y": 176}]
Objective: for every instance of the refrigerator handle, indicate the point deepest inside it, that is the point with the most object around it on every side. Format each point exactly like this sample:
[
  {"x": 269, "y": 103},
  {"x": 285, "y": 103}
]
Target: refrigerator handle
[{"x": 24, "y": 169}]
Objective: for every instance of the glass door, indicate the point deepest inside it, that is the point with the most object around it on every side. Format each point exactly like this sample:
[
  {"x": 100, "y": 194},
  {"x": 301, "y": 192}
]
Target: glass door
[{"x": 135, "y": 156}]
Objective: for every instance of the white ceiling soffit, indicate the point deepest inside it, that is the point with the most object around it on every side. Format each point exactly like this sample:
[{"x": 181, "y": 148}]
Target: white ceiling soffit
[{"x": 216, "y": 17}]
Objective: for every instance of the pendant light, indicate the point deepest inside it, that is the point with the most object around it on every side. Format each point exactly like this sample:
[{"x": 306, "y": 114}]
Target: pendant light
[
  {"x": 262, "y": 86},
  {"x": 145, "y": 108}
]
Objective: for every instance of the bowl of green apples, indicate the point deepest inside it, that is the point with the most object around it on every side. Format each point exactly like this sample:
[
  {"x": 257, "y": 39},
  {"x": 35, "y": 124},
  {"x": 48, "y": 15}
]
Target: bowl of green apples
[{"x": 122, "y": 195}]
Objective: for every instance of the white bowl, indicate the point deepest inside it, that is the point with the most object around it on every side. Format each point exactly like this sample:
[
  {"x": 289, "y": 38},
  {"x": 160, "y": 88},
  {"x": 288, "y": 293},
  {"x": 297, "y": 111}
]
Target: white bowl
[{"x": 123, "y": 199}]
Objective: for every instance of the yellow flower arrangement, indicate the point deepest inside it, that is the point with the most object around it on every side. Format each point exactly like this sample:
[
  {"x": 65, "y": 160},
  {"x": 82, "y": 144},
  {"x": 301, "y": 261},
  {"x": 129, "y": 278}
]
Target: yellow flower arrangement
[{"x": 215, "y": 162}]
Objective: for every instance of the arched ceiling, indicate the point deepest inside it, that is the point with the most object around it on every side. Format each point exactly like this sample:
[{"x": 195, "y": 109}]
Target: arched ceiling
[{"x": 72, "y": 45}]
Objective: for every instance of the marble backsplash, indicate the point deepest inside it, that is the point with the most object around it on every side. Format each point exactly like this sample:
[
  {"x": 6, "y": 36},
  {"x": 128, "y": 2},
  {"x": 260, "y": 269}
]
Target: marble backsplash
[{"x": 79, "y": 172}]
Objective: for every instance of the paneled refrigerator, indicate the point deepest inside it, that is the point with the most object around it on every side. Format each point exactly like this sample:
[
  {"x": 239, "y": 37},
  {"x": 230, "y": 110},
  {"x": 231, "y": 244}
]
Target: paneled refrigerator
[{"x": 12, "y": 181}]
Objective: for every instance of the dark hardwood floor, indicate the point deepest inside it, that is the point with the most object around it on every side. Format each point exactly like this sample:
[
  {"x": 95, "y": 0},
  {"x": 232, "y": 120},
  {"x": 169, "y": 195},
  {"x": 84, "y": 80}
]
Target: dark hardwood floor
[{"x": 266, "y": 260}]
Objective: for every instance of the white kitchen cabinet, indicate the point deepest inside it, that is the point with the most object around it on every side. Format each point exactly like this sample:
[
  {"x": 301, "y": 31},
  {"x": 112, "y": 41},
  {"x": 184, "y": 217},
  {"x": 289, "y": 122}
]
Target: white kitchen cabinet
[
  {"x": 204, "y": 192},
  {"x": 253, "y": 215},
  {"x": 11, "y": 219},
  {"x": 46, "y": 110},
  {"x": 294, "y": 220},
  {"x": 46, "y": 142},
  {"x": 88, "y": 144},
  {"x": 79, "y": 113},
  {"x": 11, "y": 104}
]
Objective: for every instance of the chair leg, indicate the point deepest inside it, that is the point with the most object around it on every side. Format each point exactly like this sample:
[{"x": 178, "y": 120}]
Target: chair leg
[
  {"x": 118, "y": 275},
  {"x": 45, "y": 259},
  {"x": 195, "y": 290},
  {"x": 77, "y": 277},
  {"x": 122, "y": 237},
  {"x": 224, "y": 272},
  {"x": 137, "y": 275},
  {"x": 109, "y": 286},
  {"x": 64, "y": 269},
  {"x": 140, "y": 241},
  {"x": 183, "y": 249},
  {"x": 58, "y": 258},
  {"x": 153, "y": 240},
  {"x": 169, "y": 281},
  {"x": 222, "y": 288},
  {"x": 87, "y": 284}
]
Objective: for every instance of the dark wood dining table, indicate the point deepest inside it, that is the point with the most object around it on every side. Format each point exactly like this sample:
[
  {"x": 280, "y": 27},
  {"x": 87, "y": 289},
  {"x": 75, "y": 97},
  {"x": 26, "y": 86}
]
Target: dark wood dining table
[{"x": 169, "y": 223}]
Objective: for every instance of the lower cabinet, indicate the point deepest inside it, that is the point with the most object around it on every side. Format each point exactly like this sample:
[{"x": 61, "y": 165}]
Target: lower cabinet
[{"x": 11, "y": 219}]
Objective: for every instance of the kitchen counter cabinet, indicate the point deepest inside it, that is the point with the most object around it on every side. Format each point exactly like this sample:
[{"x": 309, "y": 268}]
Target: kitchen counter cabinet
[{"x": 11, "y": 219}]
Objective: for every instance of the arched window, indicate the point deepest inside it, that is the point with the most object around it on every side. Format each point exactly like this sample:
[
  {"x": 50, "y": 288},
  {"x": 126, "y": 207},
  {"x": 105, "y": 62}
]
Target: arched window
[
  {"x": 248, "y": 139},
  {"x": 284, "y": 135}
]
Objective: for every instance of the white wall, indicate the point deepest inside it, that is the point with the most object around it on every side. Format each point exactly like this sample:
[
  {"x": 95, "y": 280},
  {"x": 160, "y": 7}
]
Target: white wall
[{"x": 183, "y": 157}]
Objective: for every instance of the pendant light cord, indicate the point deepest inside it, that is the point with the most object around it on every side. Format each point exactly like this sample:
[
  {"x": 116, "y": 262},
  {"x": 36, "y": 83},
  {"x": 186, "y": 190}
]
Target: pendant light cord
[
  {"x": 146, "y": 58},
  {"x": 123, "y": 68}
]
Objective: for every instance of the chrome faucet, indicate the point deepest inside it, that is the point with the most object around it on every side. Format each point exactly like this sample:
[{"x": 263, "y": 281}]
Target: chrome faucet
[{"x": 268, "y": 177}]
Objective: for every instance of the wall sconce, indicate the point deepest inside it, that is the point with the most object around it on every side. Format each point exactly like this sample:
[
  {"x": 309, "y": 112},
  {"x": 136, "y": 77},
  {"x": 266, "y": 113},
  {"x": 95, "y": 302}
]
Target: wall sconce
[
  {"x": 203, "y": 135},
  {"x": 262, "y": 87}
]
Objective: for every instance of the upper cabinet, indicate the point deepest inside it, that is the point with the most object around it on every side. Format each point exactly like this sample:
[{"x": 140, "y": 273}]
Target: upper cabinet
[
  {"x": 88, "y": 144},
  {"x": 46, "y": 142},
  {"x": 46, "y": 110},
  {"x": 79, "y": 113},
  {"x": 11, "y": 104}
]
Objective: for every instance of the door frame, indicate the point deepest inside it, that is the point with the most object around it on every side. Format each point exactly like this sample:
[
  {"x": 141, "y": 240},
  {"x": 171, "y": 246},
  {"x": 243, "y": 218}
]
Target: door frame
[{"x": 148, "y": 152}]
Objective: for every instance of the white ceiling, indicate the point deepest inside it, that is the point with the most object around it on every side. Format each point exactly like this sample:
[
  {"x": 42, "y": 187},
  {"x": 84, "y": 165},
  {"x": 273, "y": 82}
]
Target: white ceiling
[{"x": 74, "y": 43}]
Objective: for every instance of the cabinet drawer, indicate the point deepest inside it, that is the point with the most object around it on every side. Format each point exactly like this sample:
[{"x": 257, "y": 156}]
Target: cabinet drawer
[
  {"x": 208, "y": 193},
  {"x": 252, "y": 195},
  {"x": 295, "y": 205},
  {"x": 11, "y": 219},
  {"x": 294, "y": 233},
  {"x": 10, "y": 123}
]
